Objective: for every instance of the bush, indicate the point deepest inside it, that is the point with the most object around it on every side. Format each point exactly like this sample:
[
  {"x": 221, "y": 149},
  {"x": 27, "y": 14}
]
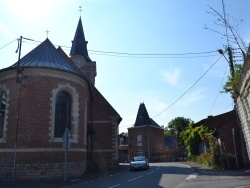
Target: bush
[
  {"x": 215, "y": 153},
  {"x": 205, "y": 159}
]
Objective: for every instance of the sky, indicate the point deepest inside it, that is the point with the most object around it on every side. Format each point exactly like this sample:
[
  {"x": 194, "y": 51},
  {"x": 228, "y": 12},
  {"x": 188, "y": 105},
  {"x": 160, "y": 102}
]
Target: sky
[{"x": 163, "y": 55}]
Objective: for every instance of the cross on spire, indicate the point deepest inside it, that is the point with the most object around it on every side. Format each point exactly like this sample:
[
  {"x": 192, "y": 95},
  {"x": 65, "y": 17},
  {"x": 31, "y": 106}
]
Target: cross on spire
[
  {"x": 80, "y": 10},
  {"x": 47, "y": 32}
]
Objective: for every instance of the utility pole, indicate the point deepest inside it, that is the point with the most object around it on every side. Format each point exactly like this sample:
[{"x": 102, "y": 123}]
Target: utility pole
[{"x": 231, "y": 64}]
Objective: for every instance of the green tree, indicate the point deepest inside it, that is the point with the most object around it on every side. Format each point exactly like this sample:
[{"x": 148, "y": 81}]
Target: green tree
[
  {"x": 177, "y": 126},
  {"x": 230, "y": 85},
  {"x": 168, "y": 132}
]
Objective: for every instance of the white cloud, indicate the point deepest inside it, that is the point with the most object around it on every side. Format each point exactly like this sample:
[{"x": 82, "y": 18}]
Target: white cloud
[
  {"x": 155, "y": 106},
  {"x": 4, "y": 29},
  {"x": 172, "y": 75},
  {"x": 193, "y": 97}
]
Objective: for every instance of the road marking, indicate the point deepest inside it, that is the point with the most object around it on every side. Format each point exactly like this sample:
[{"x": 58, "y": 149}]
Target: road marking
[
  {"x": 192, "y": 176},
  {"x": 115, "y": 185},
  {"x": 151, "y": 172},
  {"x": 135, "y": 178}
]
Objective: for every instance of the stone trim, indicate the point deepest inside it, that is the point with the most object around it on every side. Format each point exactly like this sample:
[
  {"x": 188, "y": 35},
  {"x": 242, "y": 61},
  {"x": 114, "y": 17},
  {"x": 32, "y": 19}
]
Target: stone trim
[
  {"x": 145, "y": 126},
  {"x": 85, "y": 121},
  {"x": 115, "y": 132},
  {"x": 74, "y": 114},
  {"x": 2, "y": 89}
]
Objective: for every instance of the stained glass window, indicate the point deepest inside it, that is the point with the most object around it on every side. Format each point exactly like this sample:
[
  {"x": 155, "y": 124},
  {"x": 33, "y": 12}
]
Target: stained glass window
[{"x": 62, "y": 113}]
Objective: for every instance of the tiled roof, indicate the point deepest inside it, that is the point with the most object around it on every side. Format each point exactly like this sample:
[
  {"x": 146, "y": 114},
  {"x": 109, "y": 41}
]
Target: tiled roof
[
  {"x": 143, "y": 118},
  {"x": 79, "y": 44},
  {"x": 45, "y": 55}
]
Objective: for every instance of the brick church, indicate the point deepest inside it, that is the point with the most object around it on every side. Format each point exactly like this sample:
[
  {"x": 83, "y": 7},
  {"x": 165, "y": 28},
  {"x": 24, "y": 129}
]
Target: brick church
[{"x": 45, "y": 94}]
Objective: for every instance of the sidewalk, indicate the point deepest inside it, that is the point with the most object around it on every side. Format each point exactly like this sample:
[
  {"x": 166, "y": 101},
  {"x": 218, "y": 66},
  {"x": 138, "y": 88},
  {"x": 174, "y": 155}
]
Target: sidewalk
[
  {"x": 88, "y": 177},
  {"x": 207, "y": 170}
]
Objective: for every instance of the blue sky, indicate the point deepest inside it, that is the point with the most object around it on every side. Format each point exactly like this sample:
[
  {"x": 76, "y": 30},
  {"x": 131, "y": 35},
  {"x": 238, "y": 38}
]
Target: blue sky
[{"x": 137, "y": 27}]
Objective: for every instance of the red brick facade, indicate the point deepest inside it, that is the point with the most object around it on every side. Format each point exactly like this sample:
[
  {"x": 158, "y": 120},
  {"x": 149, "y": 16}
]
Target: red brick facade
[
  {"x": 38, "y": 154},
  {"x": 152, "y": 140}
]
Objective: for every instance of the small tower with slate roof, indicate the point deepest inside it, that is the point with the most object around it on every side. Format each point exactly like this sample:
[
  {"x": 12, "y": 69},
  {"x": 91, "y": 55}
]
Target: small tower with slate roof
[
  {"x": 79, "y": 54},
  {"x": 146, "y": 137}
]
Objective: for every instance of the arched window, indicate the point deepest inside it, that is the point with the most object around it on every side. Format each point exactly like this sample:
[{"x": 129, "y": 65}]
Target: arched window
[
  {"x": 2, "y": 112},
  {"x": 62, "y": 113}
]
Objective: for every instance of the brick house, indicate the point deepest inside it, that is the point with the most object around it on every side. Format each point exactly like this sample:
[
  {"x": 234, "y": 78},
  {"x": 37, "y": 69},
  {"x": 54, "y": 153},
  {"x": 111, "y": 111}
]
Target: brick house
[
  {"x": 228, "y": 132},
  {"x": 44, "y": 94},
  {"x": 146, "y": 137}
]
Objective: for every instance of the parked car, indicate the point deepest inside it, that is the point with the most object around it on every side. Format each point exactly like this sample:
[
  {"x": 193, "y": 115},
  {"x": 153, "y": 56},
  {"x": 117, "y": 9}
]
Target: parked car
[{"x": 139, "y": 162}]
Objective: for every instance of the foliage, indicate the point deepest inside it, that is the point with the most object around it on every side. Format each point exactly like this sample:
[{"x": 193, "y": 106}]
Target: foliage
[
  {"x": 213, "y": 158},
  {"x": 177, "y": 126},
  {"x": 204, "y": 159},
  {"x": 230, "y": 85},
  {"x": 192, "y": 137},
  {"x": 168, "y": 132},
  {"x": 215, "y": 154}
]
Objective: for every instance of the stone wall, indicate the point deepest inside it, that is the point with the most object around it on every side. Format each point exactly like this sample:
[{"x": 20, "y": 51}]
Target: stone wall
[{"x": 242, "y": 99}]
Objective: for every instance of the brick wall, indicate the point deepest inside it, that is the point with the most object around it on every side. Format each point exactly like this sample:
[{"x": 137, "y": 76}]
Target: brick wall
[
  {"x": 37, "y": 155},
  {"x": 156, "y": 140}
]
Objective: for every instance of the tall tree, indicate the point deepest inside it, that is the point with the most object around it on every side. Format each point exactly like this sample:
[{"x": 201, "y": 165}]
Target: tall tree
[{"x": 177, "y": 126}]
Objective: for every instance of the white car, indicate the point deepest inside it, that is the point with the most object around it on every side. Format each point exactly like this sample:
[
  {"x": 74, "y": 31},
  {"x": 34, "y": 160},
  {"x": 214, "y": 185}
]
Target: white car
[{"x": 139, "y": 162}]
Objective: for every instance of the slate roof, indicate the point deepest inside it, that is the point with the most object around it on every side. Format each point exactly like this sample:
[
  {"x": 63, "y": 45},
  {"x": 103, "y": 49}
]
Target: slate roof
[
  {"x": 143, "y": 118},
  {"x": 79, "y": 44},
  {"x": 216, "y": 121},
  {"x": 45, "y": 55}
]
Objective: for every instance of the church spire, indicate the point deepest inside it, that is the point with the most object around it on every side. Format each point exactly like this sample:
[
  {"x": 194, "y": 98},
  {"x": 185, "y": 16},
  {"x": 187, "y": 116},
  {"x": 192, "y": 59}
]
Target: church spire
[{"x": 79, "y": 44}]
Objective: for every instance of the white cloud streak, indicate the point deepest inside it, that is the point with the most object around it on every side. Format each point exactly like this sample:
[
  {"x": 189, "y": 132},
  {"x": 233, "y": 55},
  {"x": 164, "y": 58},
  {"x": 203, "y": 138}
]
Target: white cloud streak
[
  {"x": 172, "y": 75},
  {"x": 193, "y": 97},
  {"x": 4, "y": 29}
]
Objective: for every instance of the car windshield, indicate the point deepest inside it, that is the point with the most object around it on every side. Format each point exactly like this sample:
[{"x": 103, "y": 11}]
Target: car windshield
[{"x": 139, "y": 158}]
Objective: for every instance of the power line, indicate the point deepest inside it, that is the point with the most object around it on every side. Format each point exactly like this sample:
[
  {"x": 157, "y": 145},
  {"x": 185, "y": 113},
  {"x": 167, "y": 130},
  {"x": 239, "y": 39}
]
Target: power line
[
  {"x": 189, "y": 88},
  {"x": 183, "y": 93},
  {"x": 137, "y": 55},
  {"x": 8, "y": 44},
  {"x": 155, "y": 57},
  {"x": 218, "y": 91}
]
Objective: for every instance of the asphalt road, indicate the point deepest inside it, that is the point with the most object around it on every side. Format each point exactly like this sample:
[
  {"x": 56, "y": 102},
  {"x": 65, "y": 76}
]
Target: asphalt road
[
  {"x": 169, "y": 175},
  {"x": 159, "y": 175}
]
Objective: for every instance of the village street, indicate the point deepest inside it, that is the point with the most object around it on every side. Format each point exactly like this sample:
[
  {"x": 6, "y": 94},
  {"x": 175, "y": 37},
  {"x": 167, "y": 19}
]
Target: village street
[{"x": 167, "y": 175}]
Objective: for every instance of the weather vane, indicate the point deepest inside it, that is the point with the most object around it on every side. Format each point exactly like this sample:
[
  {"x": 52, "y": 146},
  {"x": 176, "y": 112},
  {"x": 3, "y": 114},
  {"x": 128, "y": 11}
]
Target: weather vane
[
  {"x": 80, "y": 10},
  {"x": 47, "y": 32}
]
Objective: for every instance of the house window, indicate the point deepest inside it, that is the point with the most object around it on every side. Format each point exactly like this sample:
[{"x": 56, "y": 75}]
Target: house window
[
  {"x": 62, "y": 113},
  {"x": 139, "y": 140},
  {"x": 2, "y": 112}
]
